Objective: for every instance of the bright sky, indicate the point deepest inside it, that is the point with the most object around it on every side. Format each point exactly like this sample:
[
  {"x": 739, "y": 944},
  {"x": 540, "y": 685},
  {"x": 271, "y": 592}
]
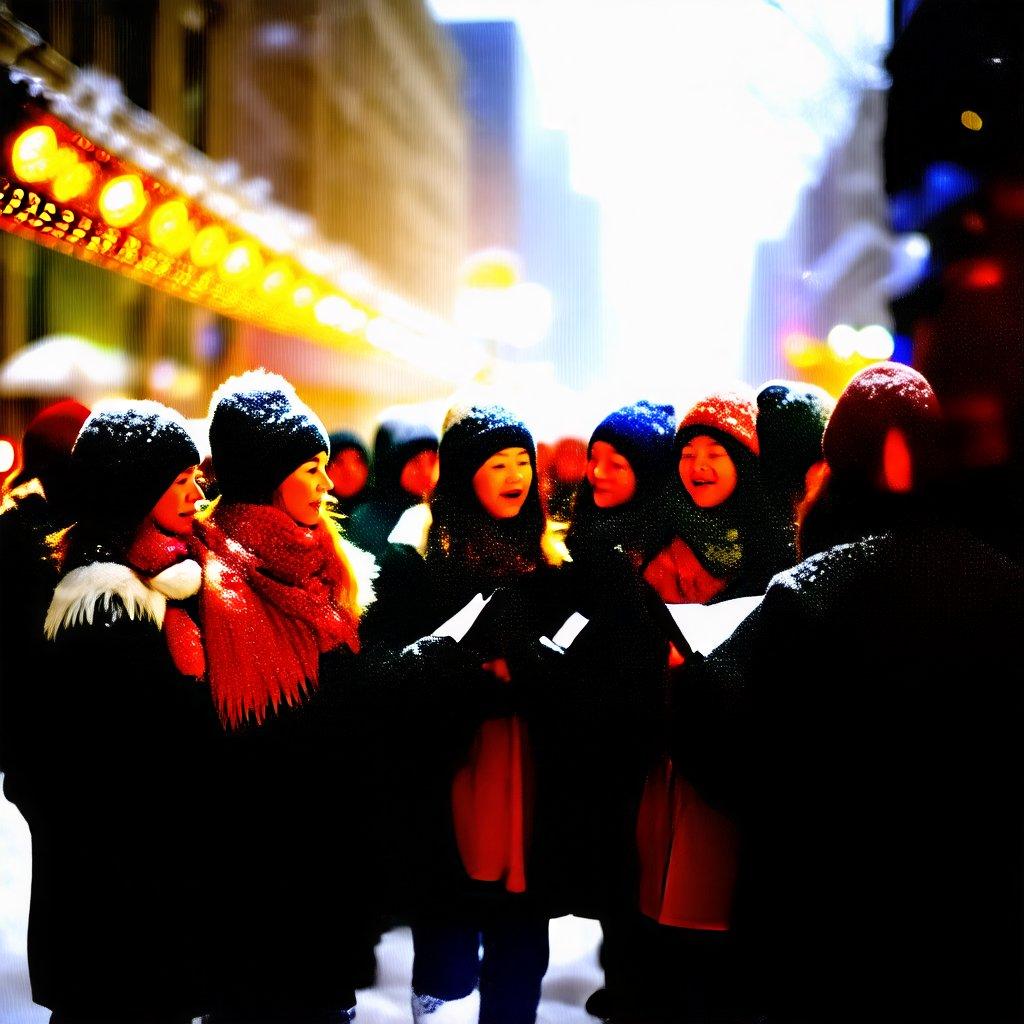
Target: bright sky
[{"x": 695, "y": 124}]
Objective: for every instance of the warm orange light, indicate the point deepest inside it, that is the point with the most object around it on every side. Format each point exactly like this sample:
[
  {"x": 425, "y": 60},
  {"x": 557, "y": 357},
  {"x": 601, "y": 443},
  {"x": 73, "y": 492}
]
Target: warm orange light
[
  {"x": 209, "y": 246},
  {"x": 303, "y": 296},
  {"x": 34, "y": 154},
  {"x": 278, "y": 277},
  {"x": 240, "y": 262},
  {"x": 170, "y": 229},
  {"x": 971, "y": 120},
  {"x": 73, "y": 182},
  {"x": 122, "y": 200}
]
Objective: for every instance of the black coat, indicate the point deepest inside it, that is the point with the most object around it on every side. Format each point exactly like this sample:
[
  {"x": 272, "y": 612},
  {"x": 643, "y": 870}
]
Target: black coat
[
  {"x": 429, "y": 698},
  {"x": 116, "y": 800},
  {"x": 599, "y": 725},
  {"x": 27, "y": 578},
  {"x": 864, "y": 725}
]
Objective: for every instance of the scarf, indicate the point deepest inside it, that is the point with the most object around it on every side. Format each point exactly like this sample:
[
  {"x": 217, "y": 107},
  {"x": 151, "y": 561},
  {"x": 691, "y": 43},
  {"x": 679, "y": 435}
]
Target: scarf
[
  {"x": 151, "y": 552},
  {"x": 269, "y": 608}
]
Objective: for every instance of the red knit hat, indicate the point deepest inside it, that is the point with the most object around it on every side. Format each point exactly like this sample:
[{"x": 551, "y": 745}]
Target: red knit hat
[
  {"x": 48, "y": 440},
  {"x": 731, "y": 412},
  {"x": 883, "y": 431}
]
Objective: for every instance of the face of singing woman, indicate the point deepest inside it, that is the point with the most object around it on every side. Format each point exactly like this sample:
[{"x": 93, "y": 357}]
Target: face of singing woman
[
  {"x": 707, "y": 471},
  {"x": 176, "y": 509},
  {"x": 301, "y": 493},
  {"x": 503, "y": 481},
  {"x": 611, "y": 476}
]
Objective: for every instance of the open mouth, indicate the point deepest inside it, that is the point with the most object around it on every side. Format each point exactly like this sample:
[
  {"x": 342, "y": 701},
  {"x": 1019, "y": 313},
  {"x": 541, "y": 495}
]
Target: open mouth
[{"x": 512, "y": 495}]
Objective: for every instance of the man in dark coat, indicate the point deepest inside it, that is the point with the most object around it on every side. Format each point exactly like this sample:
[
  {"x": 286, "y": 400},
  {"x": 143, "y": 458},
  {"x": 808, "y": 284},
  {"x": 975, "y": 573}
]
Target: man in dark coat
[{"x": 863, "y": 724}]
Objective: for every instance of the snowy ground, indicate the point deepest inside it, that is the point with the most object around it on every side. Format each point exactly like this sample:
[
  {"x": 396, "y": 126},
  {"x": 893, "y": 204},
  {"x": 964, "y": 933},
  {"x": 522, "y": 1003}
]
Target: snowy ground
[{"x": 572, "y": 976}]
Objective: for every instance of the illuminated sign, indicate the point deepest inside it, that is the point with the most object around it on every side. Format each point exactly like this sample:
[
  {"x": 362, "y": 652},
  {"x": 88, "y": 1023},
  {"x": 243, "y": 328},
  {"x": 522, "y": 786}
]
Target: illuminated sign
[{"x": 61, "y": 190}]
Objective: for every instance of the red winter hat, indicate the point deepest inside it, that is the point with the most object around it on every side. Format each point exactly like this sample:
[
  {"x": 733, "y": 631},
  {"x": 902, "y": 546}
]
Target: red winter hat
[
  {"x": 883, "y": 432},
  {"x": 48, "y": 440},
  {"x": 730, "y": 412}
]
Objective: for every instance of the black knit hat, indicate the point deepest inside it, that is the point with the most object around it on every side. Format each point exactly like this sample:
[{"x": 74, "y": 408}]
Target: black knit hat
[
  {"x": 471, "y": 435},
  {"x": 342, "y": 440},
  {"x": 126, "y": 455},
  {"x": 260, "y": 432},
  {"x": 791, "y": 418},
  {"x": 878, "y": 401},
  {"x": 643, "y": 432},
  {"x": 461, "y": 531}
]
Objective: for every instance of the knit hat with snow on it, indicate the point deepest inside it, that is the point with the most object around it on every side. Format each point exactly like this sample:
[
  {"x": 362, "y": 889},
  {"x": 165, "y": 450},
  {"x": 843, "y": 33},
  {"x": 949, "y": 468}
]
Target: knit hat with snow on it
[
  {"x": 471, "y": 435},
  {"x": 643, "y": 432},
  {"x": 791, "y": 418},
  {"x": 126, "y": 455},
  {"x": 461, "y": 529},
  {"x": 729, "y": 412},
  {"x": 260, "y": 432},
  {"x": 883, "y": 432}
]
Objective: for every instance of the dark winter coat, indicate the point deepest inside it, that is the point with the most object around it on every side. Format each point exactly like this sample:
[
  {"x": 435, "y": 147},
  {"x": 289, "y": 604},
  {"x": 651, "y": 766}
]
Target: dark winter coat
[
  {"x": 599, "y": 724},
  {"x": 117, "y": 802},
  {"x": 431, "y": 696},
  {"x": 864, "y": 725},
  {"x": 27, "y": 578}
]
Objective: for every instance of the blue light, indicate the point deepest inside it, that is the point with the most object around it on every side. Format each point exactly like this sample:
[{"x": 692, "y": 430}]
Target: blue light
[
  {"x": 903, "y": 348},
  {"x": 944, "y": 185}
]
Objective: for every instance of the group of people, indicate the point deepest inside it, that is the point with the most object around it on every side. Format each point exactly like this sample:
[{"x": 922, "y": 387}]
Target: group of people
[{"x": 246, "y": 731}]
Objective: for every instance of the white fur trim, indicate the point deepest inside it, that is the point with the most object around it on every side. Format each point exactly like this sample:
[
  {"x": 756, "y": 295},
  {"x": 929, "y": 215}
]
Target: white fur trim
[
  {"x": 78, "y": 594},
  {"x": 365, "y": 570},
  {"x": 413, "y": 527},
  {"x": 178, "y": 581},
  {"x": 427, "y": 1009}
]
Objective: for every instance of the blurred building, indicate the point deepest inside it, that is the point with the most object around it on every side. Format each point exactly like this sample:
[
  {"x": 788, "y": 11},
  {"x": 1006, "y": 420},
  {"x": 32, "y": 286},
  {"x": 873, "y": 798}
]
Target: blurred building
[
  {"x": 522, "y": 198},
  {"x": 350, "y": 113}
]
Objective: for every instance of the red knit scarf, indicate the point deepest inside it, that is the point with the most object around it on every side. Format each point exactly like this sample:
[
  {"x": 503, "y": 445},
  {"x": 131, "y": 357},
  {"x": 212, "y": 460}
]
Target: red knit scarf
[{"x": 269, "y": 607}]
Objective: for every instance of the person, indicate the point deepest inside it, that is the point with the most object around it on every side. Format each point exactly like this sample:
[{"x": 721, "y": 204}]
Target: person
[
  {"x": 791, "y": 419},
  {"x": 34, "y": 505},
  {"x": 678, "y": 942},
  {"x": 464, "y": 779},
  {"x": 122, "y": 729},
  {"x": 612, "y": 682},
  {"x": 404, "y": 474},
  {"x": 279, "y": 609},
  {"x": 863, "y": 726},
  {"x": 349, "y": 470}
]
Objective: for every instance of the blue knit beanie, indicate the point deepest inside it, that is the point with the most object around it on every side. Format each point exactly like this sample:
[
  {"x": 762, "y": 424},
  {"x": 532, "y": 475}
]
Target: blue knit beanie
[{"x": 643, "y": 432}]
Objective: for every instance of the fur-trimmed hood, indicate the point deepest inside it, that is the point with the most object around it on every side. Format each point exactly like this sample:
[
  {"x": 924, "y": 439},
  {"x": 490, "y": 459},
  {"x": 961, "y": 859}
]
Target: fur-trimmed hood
[{"x": 83, "y": 590}]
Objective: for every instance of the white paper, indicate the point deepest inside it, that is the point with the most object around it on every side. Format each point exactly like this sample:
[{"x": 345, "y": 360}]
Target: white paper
[
  {"x": 458, "y": 625},
  {"x": 705, "y": 626},
  {"x": 570, "y": 629}
]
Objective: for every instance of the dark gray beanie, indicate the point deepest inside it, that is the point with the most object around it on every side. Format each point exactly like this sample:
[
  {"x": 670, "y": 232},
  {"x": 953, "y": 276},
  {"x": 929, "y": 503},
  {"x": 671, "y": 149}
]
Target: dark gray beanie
[{"x": 260, "y": 432}]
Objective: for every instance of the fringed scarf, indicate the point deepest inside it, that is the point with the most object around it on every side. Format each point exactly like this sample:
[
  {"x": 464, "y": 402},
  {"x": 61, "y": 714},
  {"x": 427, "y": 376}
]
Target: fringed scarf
[{"x": 270, "y": 605}]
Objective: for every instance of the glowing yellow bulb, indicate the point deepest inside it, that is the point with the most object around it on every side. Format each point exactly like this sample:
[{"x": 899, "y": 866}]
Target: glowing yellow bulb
[
  {"x": 209, "y": 246},
  {"x": 34, "y": 154},
  {"x": 278, "y": 277},
  {"x": 240, "y": 262},
  {"x": 74, "y": 182},
  {"x": 303, "y": 296},
  {"x": 969, "y": 119},
  {"x": 169, "y": 227},
  {"x": 122, "y": 200}
]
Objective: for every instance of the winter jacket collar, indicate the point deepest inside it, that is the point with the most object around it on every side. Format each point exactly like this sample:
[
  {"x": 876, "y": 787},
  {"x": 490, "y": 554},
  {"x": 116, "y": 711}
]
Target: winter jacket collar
[{"x": 82, "y": 590}]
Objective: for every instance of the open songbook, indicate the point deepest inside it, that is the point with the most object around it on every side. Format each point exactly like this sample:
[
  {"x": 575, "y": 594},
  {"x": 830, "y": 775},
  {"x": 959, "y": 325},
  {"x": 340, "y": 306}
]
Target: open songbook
[
  {"x": 705, "y": 626},
  {"x": 459, "y": 624}
]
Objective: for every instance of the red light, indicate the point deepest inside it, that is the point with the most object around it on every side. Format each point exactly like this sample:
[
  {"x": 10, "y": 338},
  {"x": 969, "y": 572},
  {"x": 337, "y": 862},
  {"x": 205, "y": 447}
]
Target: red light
[{"x": 984, "y": 274}]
